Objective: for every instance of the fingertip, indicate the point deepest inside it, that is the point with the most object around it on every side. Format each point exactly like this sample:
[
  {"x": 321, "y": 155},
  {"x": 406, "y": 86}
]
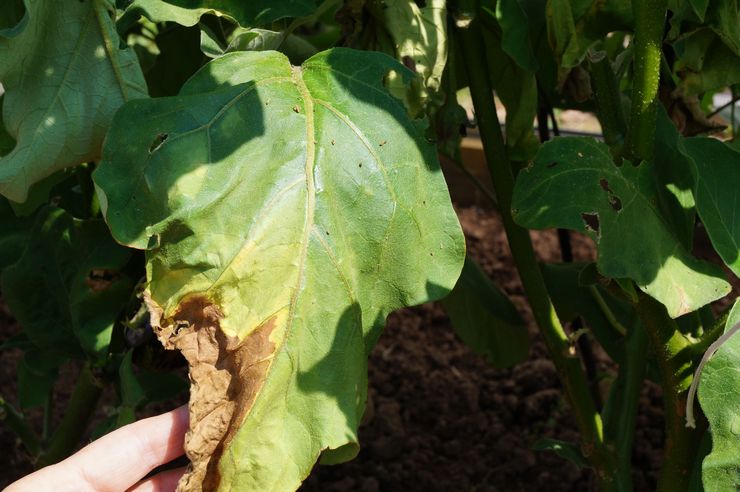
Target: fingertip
[{"x": 161, "y": 482}]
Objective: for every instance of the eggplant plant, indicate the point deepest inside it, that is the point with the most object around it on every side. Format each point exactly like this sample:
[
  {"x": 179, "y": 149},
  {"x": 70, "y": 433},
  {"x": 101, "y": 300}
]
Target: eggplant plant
[{"x": 256, "y": 186}]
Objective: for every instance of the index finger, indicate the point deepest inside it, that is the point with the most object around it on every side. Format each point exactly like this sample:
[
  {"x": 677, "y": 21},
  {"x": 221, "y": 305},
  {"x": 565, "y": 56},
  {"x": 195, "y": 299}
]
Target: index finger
[
  {"x": 120, "y": 459},
  {"x": 117, "y": 460}
]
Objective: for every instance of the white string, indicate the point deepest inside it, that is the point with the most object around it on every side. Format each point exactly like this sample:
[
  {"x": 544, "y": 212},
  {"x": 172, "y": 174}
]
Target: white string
[{"x": 690, "y": 422}]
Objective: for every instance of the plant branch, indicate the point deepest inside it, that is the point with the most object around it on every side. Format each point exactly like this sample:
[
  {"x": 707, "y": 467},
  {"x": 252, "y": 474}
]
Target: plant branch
[
  {"x": 674, "y": 354},
  {"x": 620, "y": 412},
  {"x": 18, "y": 424},
  {"x": 569, "y": 368},
  {"x": 649, "y": 24},
  {"x": 79, "y": 411}
]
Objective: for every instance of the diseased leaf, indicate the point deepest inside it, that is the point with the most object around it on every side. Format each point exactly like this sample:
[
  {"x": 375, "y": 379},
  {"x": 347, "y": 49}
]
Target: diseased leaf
[
  {"x": 286, "y": 212},
  {"x": 719, "y": 396},
  {"x": 574, "y": 184},
  {"x": 64, "y": 76},
  {"x": 485, "y": 319},
  {"x": 717, "y": 168},
  {"x": 66, "y": 289},
  {"x": 250, "y": 13}
]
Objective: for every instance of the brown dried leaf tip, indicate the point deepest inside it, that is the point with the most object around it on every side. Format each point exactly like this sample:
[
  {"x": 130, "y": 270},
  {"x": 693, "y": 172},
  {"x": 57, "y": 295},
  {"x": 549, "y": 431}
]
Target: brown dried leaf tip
[{"x": 226, "y": 375}]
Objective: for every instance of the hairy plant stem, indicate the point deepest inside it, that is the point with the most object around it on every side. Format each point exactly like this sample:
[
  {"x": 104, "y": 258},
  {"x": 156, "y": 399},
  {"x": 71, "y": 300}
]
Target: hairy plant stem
[
  {"x": 18, "y": 424},
  {"x": 80, "y": 410},
  {"x": 674, "y": 354},
  {"x": 556, "y": 340},
  {"x": 649, "y": 23}
]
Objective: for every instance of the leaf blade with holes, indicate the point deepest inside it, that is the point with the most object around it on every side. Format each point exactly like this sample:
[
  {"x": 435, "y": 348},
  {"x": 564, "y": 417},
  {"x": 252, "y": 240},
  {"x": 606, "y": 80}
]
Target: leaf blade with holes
[
  {"x": 53, "y": 65},
  {"x": 284, "y": 213},
  {"x": 574, "y": 184}
]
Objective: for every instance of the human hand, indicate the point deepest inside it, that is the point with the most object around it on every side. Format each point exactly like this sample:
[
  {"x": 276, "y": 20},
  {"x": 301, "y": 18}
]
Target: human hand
[{"x": 117, "y": 461}]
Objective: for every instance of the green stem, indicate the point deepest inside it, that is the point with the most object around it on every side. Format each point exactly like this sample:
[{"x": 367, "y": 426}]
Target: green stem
[
  {"x": 649, "y": 23},
  {"x": 674, "y": 355},
  {"x": 608, "y": 101},
  {"x": 611, "y": 318},
  {"x": 620, "y": 412},
  {"x": 18, "y": 424},
  {"x": 79, "y": 411},
  {"x": 556, "y": 340},
  {"x": 48, "y": 412}
]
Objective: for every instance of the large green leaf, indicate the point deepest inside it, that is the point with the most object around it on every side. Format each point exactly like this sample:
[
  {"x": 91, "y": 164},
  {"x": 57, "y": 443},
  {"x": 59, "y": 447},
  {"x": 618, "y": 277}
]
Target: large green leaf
[
  {"x": 717, "y": 167},
  {"x": 64, "y": 76},
  {"x": 719, "y": 395},
  {"x": 573, "y": 183},
  {"x": 66, "y": 290},
  {"x": 287, "y": 210},
  {"x": 247, "y": 13},
  {"x": 485, "y": 319}
]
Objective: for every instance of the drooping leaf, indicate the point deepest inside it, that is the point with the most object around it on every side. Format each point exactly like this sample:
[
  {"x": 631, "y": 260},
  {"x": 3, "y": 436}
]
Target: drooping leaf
[
  {"x": 719, "y": 396},
  {"x": 485, "y": 319},
  {"x": 717, "y": 168},
  {"x": 573, "y": 183},
  {"x": 64, "y": 76},
  {"x": 286, "y": 211},
  {"x": 419, "y": 37},
  {"x": 414, "y": 33},
  {"x": 37, "y": 372},
  {"x": 65, "y": 290},
  {"x": 250, "y": 13},
  {"x": 515, "y": 33}
]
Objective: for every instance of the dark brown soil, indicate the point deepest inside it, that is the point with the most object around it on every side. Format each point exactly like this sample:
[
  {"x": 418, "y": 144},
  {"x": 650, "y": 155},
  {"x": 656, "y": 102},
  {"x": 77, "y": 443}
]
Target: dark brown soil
[{"x": 439, "y": 417}]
